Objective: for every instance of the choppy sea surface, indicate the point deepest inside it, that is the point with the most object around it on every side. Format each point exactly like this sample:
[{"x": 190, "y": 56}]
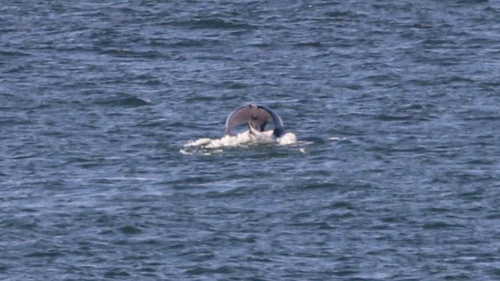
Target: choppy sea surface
[{"x": 113, "y": 164}]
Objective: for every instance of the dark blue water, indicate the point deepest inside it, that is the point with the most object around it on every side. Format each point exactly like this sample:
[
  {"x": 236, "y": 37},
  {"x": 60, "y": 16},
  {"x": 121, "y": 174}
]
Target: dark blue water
[{"x": 395, "y": 174}]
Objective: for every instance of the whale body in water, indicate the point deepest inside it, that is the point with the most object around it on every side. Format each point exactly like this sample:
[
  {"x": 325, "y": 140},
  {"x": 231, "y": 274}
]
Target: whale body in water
[{"x": 256, "y": 117}]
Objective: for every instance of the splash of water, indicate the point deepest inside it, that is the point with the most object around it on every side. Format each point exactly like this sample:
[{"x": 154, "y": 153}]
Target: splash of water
[{"x": 243, "y": 139}]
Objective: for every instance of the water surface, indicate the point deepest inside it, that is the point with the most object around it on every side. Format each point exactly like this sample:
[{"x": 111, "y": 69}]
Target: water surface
[{"x": 394, "y": 174}]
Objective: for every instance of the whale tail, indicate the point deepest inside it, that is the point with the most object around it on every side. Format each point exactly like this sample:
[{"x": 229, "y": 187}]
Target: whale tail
[{"x": 256, "y": 117}]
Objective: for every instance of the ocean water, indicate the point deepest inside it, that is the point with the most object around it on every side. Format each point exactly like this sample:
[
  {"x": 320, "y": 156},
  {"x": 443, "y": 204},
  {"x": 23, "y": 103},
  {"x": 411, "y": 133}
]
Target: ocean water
[{"x": 113, "y": 163}]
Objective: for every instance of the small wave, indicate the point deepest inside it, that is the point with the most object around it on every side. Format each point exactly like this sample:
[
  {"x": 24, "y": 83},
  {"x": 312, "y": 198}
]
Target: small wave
[
  {"x": 9, "y": 53},
  {"x": 244, "y": 139},
  {"x": 219, "y": 24},
  {"x": 127, "y": 101}
]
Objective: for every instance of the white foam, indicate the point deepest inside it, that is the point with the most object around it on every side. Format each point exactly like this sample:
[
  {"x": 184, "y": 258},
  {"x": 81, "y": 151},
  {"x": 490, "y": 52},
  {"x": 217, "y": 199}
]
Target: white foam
[
  {"x": 243, "y": 139},
  {"x": 287, "y": 139}
]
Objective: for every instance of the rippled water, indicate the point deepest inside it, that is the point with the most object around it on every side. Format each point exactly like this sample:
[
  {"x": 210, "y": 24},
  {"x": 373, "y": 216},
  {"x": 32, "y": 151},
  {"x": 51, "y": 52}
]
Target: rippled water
[{"x": 394, "y": 174}]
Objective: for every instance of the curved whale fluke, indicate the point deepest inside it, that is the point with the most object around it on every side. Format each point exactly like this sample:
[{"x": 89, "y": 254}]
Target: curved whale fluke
[{"x": 256, "y": 117}]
